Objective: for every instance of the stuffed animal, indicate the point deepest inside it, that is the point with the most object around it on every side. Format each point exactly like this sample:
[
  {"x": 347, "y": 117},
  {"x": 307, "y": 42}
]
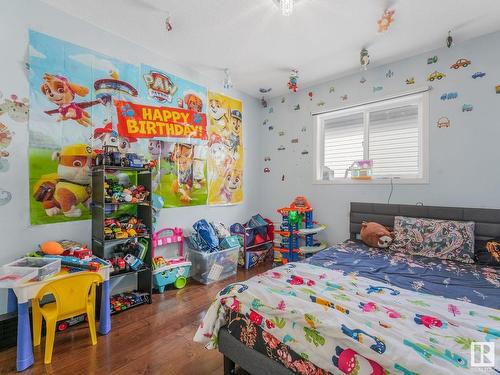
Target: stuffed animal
[{"x": 375, "y": 235}]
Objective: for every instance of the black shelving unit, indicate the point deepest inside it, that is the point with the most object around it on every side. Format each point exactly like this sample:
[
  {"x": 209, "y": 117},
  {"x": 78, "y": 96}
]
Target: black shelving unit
[{"x": 103, "y": 247}]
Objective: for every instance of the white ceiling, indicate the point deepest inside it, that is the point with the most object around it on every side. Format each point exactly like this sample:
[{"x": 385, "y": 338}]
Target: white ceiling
[{"x": 322, "y": 39}]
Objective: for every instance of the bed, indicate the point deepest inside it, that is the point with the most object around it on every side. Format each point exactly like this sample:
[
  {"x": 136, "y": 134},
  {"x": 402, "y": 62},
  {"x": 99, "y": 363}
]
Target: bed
[{"x": 355, "y": 309}]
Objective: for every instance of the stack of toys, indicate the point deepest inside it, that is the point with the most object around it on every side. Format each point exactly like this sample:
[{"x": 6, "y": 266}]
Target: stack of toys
[
  {"x": 170, "y": 270},
  {"x": 256, "y": 240},
  {"x": 128, "y": 256},
  {"x": 117, "y": 193},
  {"x": 124, "y": 301},
  {"x": 297, "y": 225},
  {"x": 211, "y": 237},
  {"x": 125, "y": 226}
]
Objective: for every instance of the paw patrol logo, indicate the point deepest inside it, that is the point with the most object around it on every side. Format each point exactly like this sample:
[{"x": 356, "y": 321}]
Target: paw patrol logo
[{"x": 160, "y": 87}]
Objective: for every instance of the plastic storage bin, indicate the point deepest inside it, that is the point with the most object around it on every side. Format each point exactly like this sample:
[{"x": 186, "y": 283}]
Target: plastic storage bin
[
  {"x": 44, "y": 267},
  {"x": 208, "y": 268},
  {"x": 11, "y": 277}
]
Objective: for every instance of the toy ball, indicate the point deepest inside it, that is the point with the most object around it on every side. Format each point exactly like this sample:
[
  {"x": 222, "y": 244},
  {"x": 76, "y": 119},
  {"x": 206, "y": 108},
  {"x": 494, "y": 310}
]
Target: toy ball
[{"x": 52, "y": 248}]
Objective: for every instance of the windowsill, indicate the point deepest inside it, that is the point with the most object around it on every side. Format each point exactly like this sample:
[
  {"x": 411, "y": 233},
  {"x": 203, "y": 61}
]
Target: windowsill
[{"x": 375, "y": 181}]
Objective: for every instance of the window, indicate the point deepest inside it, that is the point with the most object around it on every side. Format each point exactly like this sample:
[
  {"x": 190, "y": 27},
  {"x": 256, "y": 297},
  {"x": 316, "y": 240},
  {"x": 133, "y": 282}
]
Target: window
[{"x": 392, "y": 133}]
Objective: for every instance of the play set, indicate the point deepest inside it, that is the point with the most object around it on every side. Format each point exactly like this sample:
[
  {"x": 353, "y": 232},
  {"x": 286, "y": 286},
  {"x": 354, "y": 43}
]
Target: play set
[
  {"x": 297, "y": 225},
  {"x": 169, "y": 270}
]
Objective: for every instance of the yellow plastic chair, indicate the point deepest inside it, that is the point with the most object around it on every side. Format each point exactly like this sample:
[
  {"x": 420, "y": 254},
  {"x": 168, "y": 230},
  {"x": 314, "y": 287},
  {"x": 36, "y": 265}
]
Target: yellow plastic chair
[{"x": 74, "y": 295}]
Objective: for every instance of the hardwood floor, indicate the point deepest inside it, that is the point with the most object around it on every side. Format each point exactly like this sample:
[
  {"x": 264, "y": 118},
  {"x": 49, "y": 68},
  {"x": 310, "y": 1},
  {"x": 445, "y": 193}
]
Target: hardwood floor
[{"x": 150, "y": 339}]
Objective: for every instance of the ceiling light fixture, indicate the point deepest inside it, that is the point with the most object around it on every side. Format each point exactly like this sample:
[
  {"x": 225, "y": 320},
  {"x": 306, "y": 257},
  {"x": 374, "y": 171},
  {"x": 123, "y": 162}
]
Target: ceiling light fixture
[{"x": 286, "y": 7}]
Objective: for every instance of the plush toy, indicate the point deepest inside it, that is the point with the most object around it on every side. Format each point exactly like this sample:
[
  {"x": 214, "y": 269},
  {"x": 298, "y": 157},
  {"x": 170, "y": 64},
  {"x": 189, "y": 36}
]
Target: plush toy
[
  {"x": 51, "y": 248},
  {"x": 375, "y": 235}
]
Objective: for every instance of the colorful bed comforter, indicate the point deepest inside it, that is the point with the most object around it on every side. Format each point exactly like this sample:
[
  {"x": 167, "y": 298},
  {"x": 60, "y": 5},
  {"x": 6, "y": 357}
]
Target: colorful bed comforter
[
  {"x": 467, "y": 282},
  {"x": 352, "y": 324}
]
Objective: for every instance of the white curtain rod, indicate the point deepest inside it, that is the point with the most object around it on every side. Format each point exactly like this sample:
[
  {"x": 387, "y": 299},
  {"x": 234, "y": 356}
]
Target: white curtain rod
[{"x": 401, "y": 95}]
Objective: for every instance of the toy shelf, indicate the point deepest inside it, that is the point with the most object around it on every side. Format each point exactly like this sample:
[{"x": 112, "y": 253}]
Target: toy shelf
[{"x": 106, "y": 248}]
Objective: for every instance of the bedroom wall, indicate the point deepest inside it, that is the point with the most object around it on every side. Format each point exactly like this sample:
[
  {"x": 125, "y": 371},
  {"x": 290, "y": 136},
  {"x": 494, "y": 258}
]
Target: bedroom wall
[
  {"x": 462, "y": 157},
  {"x": 17, "y": 236}
]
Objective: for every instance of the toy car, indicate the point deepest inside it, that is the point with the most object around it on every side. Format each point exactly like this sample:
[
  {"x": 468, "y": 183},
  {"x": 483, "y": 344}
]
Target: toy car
[
  {"x": 497, "y": 89},
  {"x": 461, "y": 63},
  {"x": 119, "y": 234},
  {"x": 83, "y": 253},
  {"x": 64, "y": 324},
  {"x": 410, "y": 81},
  {"x": 467, "y": 108},
  {"x": 133, "y": 262},
  {"x": 478, "y": 75},
  {"x": 132, "y": 160},
  {"x": 432, "y": 60},
  {"x": 108, "y": 234},
  {"x": 267, "y": 170},
  {"x": 436, "y": 75}
]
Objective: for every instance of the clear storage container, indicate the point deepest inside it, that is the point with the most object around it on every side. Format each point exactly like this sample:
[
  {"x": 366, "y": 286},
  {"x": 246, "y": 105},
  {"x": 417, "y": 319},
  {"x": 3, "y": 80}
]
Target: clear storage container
[
  {"x": 44, "y": 267},
  {"x": 208, "y": 268},
  {"x": 12, "y": 277}
]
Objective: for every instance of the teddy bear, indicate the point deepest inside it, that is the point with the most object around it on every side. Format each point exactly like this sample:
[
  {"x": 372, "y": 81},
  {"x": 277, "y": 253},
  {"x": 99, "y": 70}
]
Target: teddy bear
[{"x": 375, "y": 235}]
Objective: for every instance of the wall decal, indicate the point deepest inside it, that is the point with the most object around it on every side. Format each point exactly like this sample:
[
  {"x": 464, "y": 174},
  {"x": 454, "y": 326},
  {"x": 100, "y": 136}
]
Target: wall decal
[
  {"x": 497, "y": 89},
  {"x": 449, "y": 40},
  {"x": 265, "y": 122},
  {"x": 362, "y": 80},
  {"x": 271, "y": 109},
  {"x": 305, "y": 152},
  {"x": 310, "y": 94},
  {"x": 467, "y": 108},
  {"x": 283, "y": 99},
  {"x": 344, "y": 97},
  {"x": 294, "y": 140},
  {"x": 264, "y": 91},
  {"x": 386, "y": 20},
  {"x": 267, "y": 170},
  {"x": 228, "y": 82},
  {"x": 410, "y": 81},
  {"x": 364, "y": 59},
  {"x": 389, "y": 74},
  {"x": 461, "y": 63},
  {"x": 5, "y": 197},
  {"x": 270, "y": 127},
  {"x": 267, "y": 158},
  {"x": 292, "y": 80},
  {"x": 449, "y": 96},
  {"x": 263, "y": 102},
  {"x": 168, "y": 23},
  {"x": 17, "y": 110},
  {"x": 281, "y": 148},
  {"x": 377, "y": 88},
  {"x": 304, "y": 129},
  {"x": 320, "y": 103},
  {"x": 443, "y": 122},
  {"x": 281, "y": 133},
  {"x": 332, "y": 89},
  {"x": 296, "y": 107},
  {"x": 5, "y": 140},
  {"x": 478, "y": 75},
  {"x": 432, "y": 60},
  {"x": 283, "y": 177},
  {"x": 436, "y": 75}
]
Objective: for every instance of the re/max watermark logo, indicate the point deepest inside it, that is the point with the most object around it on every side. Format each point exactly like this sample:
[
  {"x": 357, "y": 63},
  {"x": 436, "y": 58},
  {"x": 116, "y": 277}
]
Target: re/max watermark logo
[{"x": 482, "y": 354}]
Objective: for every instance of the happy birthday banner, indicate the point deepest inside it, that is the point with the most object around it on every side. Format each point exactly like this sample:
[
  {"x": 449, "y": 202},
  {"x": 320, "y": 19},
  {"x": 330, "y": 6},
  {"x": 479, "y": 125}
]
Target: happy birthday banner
[{"x": 144, "y": 121}]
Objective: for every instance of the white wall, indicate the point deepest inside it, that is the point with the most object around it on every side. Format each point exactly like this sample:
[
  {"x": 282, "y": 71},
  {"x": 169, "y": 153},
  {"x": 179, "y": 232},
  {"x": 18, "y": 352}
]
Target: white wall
[
  {"x": 463, "y": 158},
  {"x": 16, "y": 17}
]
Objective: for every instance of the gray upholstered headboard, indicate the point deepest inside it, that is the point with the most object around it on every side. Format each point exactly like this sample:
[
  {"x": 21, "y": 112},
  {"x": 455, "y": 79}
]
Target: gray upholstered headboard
[{"x": 487, "y": 220}]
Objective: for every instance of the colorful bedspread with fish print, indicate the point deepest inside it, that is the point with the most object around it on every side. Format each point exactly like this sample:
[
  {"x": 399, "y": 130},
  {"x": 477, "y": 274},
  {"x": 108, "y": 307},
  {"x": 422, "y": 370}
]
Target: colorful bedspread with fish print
[
  {"x": 349, "y": 324},
  {"x": 478, "y": 284}
]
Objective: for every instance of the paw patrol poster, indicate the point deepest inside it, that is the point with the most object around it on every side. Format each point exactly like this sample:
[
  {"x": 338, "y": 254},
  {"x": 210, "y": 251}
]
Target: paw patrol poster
[
  {"x": 71, "y": 117},
  {"x": 175, "y": 121},
  {"x": 225, "y": 155}
]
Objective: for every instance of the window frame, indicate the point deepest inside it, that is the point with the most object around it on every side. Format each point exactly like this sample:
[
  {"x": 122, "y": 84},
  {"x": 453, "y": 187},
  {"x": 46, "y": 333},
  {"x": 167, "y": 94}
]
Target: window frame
[{"x": 420, "y": 98}]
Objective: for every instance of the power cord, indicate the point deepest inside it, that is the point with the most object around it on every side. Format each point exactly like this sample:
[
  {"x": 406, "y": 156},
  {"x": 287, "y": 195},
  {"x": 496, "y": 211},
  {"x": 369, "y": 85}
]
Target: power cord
[{"x": 392, "y": 190}]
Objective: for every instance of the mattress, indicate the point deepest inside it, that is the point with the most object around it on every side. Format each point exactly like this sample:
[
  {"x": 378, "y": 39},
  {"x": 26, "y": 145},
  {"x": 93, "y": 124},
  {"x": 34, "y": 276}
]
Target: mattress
[{"x": 351, "y": 309}]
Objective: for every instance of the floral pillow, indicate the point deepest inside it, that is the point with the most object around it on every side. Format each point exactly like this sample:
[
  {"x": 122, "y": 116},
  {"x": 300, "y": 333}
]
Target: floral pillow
[{"x": 444, "y": 239}]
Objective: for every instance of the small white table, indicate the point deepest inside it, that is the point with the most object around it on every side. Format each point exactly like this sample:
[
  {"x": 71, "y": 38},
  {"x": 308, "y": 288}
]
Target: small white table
[{"x": 19, "y": 298}]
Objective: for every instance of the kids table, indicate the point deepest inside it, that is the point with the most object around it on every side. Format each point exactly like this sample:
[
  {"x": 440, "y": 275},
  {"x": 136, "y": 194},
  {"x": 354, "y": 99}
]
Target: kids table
[{"x": 27, "y": 291}]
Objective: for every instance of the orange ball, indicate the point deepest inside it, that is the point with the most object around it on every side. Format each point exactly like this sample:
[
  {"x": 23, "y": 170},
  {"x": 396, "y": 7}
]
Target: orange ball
[{"x": 52, "y": 248}]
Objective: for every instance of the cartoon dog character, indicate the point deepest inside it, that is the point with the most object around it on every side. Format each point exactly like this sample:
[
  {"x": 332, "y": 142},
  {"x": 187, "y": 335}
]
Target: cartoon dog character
[
  {"x": 216, "y": 112},
  {"x": 233, "y": 137},
  {"x": 183, "y": 158},
  {"x": 232, "y": 182},
  {"x": 110, "y": 137},
  {"x": 70, "y": 186},
  {"x": 60, "y": 91},
  {"x": 193, "y": 102}
]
